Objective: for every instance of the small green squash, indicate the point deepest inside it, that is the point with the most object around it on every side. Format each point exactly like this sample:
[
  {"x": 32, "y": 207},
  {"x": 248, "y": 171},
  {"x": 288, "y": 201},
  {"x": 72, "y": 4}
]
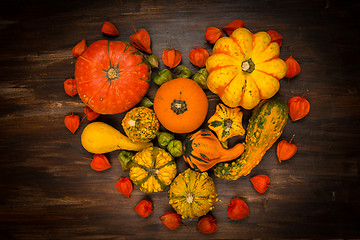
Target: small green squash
[{"x": 265, "y": 126}]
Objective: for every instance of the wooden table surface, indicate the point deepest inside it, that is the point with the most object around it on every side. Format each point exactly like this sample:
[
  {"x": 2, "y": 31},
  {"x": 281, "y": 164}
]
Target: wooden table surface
[{"x": 49, "y": 191}]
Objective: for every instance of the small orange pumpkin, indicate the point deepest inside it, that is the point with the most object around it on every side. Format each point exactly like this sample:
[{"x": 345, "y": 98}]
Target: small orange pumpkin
[{"x": 181, "y": 105}]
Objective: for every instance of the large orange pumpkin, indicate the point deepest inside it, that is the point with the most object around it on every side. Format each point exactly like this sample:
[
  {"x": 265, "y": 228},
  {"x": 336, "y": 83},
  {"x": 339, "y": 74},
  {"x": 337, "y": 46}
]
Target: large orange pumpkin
[
  {"x": 181, "y": 105},
  {"x": 111, "y": 76}
]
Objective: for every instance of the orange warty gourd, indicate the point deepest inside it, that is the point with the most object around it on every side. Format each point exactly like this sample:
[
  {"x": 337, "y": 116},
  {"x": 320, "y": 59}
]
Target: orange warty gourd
[
  {"x": 245, "y": 68},
  {"x": 181, "y": 105},
  {"x": 202, "y": 150}
]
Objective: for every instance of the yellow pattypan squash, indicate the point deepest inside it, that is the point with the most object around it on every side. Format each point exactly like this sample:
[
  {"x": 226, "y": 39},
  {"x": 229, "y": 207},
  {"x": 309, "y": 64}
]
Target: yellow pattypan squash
[
  {"x": 245, "y": 68},
  {"x": 192, "y": 194},
  {"x": 152, "y": 169}
]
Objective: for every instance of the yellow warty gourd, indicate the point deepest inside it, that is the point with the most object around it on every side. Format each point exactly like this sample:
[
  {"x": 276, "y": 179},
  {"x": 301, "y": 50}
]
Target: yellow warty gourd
[
  {"x": 192, "y": 194},
  {"x": 99, "y": 138}
]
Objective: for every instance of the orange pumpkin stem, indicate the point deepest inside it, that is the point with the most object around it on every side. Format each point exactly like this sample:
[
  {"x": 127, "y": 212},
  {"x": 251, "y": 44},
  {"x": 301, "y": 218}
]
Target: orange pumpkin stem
[{"x": 178, "y": 106}]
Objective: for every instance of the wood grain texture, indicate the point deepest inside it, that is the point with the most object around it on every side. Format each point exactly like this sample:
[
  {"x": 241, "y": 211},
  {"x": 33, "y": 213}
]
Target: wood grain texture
[{"x": 49, "y": 191}]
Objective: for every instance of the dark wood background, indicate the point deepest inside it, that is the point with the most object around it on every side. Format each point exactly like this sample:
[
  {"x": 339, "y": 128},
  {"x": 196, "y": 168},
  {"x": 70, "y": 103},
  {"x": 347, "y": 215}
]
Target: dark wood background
[{"x": 49, "y": 191}]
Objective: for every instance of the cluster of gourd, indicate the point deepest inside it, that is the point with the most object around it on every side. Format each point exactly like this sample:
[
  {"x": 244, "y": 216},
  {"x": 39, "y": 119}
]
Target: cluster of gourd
[{"x": 244, "y": 71}]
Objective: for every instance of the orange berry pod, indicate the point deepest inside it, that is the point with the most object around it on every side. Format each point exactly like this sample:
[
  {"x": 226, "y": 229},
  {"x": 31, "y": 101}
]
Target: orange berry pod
[
  {"x": 109, "y": 29},
  {"x": 285, "y": 150},
  {"x": 72, "y": 122},
  {"x": 293, "y": 67},
  {"x": 275, "y": 37},
  {"x": 171, "y": 220},
  {"x": 79, "y": 48},
  {"x": 70, "y": 87},
  {"x": 100, "y": 163},
  {"x": 125, "y": 186},
  {"x": 212, "y": 34},
  {"x": 207, "y": 224},
  {"x": 141, "y": 40},
  {"x": 171, "y": 57},
  {"x": 144, "y": 208},
  {"x": 232, "y": 26},
  {"x": 261, "y": 183},
  {"x": 299, "y": 107},
  {"x": 198, "y": 56},
  {"x": 237, "y": 209}
]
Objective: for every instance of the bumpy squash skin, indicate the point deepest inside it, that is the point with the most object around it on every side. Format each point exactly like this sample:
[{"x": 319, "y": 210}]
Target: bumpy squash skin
[
  {"x": 140, "y": 124},
  {"x": 264, "y": 128},
  {"x": 152, "y": 169},
  {"x": 192, "y": 194}
]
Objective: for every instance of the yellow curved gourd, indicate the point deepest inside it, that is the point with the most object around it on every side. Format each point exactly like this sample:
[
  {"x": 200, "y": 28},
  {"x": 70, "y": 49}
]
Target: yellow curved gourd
[{"x": 99, "y": 137}]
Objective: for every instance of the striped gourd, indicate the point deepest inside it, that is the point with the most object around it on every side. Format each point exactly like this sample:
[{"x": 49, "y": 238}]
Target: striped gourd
[
  {"x": 152, "y": 169},
  {"x": 226, "y": 122},
  {"x": 265, "y": 126},
  {"x": 202, "y": 150},
  {"x": 192, "y": 194}
]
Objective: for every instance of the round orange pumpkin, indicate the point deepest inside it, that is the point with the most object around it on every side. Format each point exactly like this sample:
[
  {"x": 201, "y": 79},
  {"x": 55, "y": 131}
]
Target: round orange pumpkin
[
  {"x": 181, "y": 105},
  {"x": 111, "y": 76}
]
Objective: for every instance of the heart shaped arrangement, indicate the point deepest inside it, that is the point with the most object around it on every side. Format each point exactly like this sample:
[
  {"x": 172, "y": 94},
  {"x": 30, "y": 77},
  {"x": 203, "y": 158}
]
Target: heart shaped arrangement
[{"x": 243, "y": 70}]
